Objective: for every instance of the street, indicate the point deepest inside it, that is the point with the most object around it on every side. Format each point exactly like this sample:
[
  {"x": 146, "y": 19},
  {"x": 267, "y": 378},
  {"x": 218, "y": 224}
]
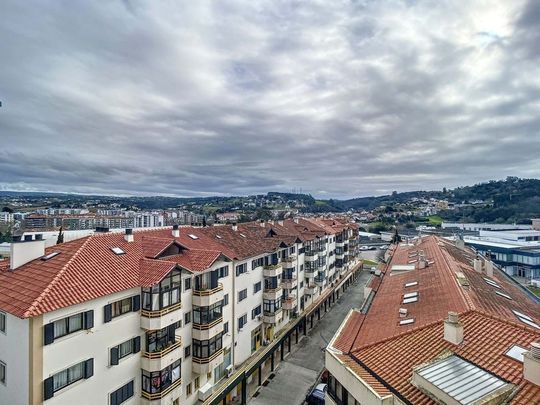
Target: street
[{"x": 300, "y": 370}]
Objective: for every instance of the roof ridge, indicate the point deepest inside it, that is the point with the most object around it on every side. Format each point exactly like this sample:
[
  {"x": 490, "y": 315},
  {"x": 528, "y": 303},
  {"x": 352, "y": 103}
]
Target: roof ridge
[{"x": 55, "y": 279}]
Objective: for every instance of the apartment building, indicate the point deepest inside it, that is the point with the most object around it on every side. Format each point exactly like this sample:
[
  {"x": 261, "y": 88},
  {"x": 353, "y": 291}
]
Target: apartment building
[
  {"x": 149, "y": 317},
  {"x": 441, "y": 326}
]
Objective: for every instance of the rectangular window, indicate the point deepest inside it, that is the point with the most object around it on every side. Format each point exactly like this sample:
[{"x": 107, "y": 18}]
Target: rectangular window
[
  {"x": 242, "y": 295},
  {"x": 125, "y": 349},
  {"x": 68, "y": 325},
  {"x": 187, "y": 318},
  {"x": 156, "y": 382},
  {"x": 121, "y": 307},
  {"x": 122, "y": 394},
  {"x": 197, "y": 383},
  {"x": 188, "y": 390},
  {"x": 187, "y": 352},
  {"x": 241, "y": 269},
  {"x": 2, "y": 322},
  {"x": 223, "y": 271},
  {"x": 242, "y": 321},
  {"x": 226, "y": 327},
  {"x": 301, "y": 284},
  {"x": 257, "y": 287},
  {"x": 204, "y": 349},
  {"x": 161, "y": 339},
  {"x": 208, "y": 314},
  {"x": 62, "y": 379},
  {"x": 256, "y": 311},
  {"x": 187, "y": 284},
  {"x": 2, "y": 373},
  {"x": 226, "y": 299}
]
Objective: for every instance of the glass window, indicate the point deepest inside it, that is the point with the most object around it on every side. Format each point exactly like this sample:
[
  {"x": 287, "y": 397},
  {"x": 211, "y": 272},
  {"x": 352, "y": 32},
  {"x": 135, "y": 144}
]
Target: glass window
[
  {"x": 204, "y": 349},
  {"x": 68, "y": 325},
  {"x": 2, "y": 373},
  {"x": 2, "y": 322},
  {"x": 68, "y": 376},
  {"x": 122, "y": 394},
  {"x": 164, "y": 294},
  {"x": 158, "y": 381},
  {"x": 121, "y": 307},
  {"x": 125, "y": 349}
]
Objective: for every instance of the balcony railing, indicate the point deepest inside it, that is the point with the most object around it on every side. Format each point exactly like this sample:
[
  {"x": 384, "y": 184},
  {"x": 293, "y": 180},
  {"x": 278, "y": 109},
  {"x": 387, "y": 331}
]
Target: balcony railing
[
  {"x": 208, "y": 291},
  {"x": 205, "y": 326},
  {"x": 289, "y": 259},
  {"x": 165, "y": 392},
  {"x": 271, "y": 266},
  {"x": 164, "y": 352},
  {"x": 204, "y": 360},
  {"x": 159, "y": 313}
]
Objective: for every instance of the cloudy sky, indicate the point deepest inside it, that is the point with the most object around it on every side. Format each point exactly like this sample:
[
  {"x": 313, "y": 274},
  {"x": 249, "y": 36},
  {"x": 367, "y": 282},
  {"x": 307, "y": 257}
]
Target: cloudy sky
[{"x": 337, "y": 98}]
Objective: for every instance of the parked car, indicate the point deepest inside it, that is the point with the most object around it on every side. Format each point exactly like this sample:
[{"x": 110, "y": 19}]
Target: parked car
[
  {"x": 364, "y": 248},
  {"x": 373, "y": 248},
  {"x": 317, "y": 394}
]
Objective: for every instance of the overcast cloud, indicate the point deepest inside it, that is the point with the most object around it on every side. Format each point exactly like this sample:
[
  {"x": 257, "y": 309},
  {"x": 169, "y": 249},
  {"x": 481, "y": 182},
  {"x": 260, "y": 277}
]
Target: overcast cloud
[{"x": 339, "y": 98}]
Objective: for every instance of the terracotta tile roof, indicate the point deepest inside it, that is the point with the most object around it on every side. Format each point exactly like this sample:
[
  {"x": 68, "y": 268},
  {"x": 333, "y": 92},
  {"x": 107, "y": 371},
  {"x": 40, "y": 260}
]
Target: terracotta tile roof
[
  {"x": 153, "y": 271},
  {"x": 388, "y": 350},
  {"x": 195, "y": 259},
  {"x": 87, "y": 269},
  {"x": 361, "y": 372}
]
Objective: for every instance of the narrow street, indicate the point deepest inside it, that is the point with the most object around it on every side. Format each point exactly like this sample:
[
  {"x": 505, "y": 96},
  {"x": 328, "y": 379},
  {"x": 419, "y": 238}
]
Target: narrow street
[{"x": 301, "y": 368}]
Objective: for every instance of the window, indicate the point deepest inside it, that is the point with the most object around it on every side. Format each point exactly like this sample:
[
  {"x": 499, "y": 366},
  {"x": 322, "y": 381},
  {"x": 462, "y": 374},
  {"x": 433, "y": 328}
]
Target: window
[
  {"x": 122, "y": 394},
  {"x": 2, "y": 322},
  {"x": 187, "y": 284},
  {"x": 257, "y": 263},
  {"x": 491, "y": 282},
  {"x": 204, "y": 349},
  {"x": 197, "y": 383},
  {"x": 117, "y": 251},
  {"x": 209, "y": 375},
  {"x": 241, "y": 269},
  {"x": 242, "y": 295},
  {"x": 406, "y": 321},
  {"x": 163, "y": 295},
  {"x": 68, "y": 325},
  {"x": 159, "y": 340},
  {"x": 226, "y": 327},
  {"x": 242, "y": 321},
  {"x": 503, "y": 295},
  {"x": 125, "y": 349},
  {"x": 207, "y": 315},
  {"x": 226, "y": 299},
  {"x": 187, "y": 352},
  {"x": 411, "y": 284},
  {"x": 2, "y": 373},
  {"x": 257, "y": 287},
  {"x": 187, "y": 318},
  {"x": 223, "y": 271},
  {"x": 62, "y": 379},
  {"x": 194, "y": 237},
  {"x": 124, "y": 306},
  {"x": 271, "y": 306},
  {"x": 188, "y": 390},
  {"x": 409, "y": 300},
  {"x": 301, "y": 267},
  {"x": 256, "y": 311},
  {"x": 526, "y": 319},
  {"x": 159, "y": 381},
  {"x": 301, "y": 284}
]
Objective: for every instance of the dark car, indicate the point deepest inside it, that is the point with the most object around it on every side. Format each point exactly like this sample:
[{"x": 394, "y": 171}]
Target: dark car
[{"x": 316, "y": 396}]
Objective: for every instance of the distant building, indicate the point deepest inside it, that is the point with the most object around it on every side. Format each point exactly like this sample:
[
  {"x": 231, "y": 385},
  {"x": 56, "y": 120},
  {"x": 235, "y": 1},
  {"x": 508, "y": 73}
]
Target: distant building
[{"x": 486, "y": 227}]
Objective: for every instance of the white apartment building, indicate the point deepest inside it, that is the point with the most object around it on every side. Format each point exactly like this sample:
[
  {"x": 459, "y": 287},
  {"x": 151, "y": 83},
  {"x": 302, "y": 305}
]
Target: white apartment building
[{"x": 156, "y": 316}]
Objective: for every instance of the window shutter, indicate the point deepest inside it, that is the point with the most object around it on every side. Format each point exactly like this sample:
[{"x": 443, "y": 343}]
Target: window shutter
[
  {"x": 88, "y": 319},
  {"x": 48, "y": 334},
  {"x": 107, "y": 315},
  {"x": 89, "y": 368},
  {"x": 114, "y": 356},
  {"x": 137, "y": 344},
  {"x": 48, "y": 388},
  {"x": 136, "y": 303}
]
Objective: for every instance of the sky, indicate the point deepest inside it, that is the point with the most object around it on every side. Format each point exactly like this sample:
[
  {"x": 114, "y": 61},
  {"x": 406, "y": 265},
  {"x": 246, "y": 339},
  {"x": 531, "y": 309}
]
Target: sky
[{"x": 335, "y": 98}]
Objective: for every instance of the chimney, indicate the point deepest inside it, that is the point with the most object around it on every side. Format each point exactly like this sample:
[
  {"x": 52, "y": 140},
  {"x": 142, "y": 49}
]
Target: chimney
[
  {"x": 453, "y": 329},
  {"x": 128, "y": 236},
  {"x": 22, "y": 252},
  {"x": 261, "y": 223},
  {"x": 422, "y": 262},
  {"x": 489, "y": 267},
  {"x": 175, "y": 231},
  {"x": 477, "y": 263},
  {"x": 296, "y": 220},
  {"x": 234, "y": 227},
  {"x": 531, "y": 364},
  {"x": 460, "y": 243},
  {"x": 402, "y": 312},
  {"x": 280, "y": 223}
]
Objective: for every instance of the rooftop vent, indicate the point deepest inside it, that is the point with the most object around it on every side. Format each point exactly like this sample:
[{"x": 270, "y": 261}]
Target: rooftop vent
[
  {"x": 128, "y": 236},
  {"x": 402, "y": 312},
  {"x": 50, "y": 256},
  {"x": 516, "y": 352},
  {"x": 453, "y": 329},
  {"x": 531, "y": 364},
  {"x": 175, "y": 231}
]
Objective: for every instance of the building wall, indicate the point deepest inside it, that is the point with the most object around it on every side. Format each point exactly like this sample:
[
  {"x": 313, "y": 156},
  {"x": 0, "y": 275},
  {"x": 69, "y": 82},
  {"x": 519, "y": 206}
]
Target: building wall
[
  {"x": 14, "y": 352},
  {"x": 95, "y": 343}
]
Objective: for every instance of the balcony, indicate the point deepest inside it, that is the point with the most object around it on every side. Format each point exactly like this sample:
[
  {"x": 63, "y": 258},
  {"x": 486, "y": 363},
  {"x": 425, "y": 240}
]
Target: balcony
[
  {"x": 290, "y": 282},
  {"x": 204, "y": 297},
  {"x": 273, "y": 317},
  {"x": 159, "y": 319},
  {"x": 290, "y": 302},
  {"x": 319, "y": 281},
  {"x": 272, "y": 270},
  {"x": 164, "y": 397},
  {"x": 155, "y": 361},
  {"x": 311, "y": 289},
  {"x": 272, "y": 293},
  {"x": 310, "y": 271},
  {"x": 289, "y": 259},
  {"x": 207, "y": 331},
  {"x": 205, "y": 365},
  {"x": 311, "y": 256}
]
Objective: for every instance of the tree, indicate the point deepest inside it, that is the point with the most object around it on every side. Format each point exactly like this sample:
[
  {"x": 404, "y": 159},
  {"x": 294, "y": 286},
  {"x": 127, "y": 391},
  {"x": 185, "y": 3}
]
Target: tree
[{"x": 396, "y": 238}]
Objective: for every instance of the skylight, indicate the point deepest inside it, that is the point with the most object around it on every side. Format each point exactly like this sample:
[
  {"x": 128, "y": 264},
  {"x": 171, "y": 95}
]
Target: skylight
[
  {"x": 193, "y": 236},
  {"x": 516, "y": 352},
  {"x": 411, "y": 284},
  {"x": 409, "y": 300},
  {"x": 50, "y": 256},
  {"x": 503, "y": 295},
  {"x": 406, "y": 321},
  {"x": 242, "y": 235},
  {"x": 410, "y": 295},
  {"x": 117, "y": 251},
  {"x": 491, "y": 282},
  {"x": 527, "y": 320},
  {"x": 218, "y": 236}
]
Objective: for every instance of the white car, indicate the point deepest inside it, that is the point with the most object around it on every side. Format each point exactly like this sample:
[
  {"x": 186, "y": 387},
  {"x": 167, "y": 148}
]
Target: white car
[{"x": 364, "y": 248}]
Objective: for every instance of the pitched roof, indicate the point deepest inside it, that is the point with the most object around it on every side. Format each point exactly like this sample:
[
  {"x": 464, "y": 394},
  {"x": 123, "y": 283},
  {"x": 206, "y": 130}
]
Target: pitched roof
[
  {"x": 389, "y": 351},
  {"x": 195, "y": 259}
]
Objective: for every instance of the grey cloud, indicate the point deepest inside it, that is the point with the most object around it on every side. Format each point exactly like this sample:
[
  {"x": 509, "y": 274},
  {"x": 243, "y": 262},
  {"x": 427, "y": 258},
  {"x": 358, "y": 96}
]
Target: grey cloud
[{"x": 338, "y": 98}]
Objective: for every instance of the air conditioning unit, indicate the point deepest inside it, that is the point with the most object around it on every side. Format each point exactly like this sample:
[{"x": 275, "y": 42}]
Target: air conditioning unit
[
  {"x": 229, "y": 370},
  {"x": 205, "y": 391}
]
